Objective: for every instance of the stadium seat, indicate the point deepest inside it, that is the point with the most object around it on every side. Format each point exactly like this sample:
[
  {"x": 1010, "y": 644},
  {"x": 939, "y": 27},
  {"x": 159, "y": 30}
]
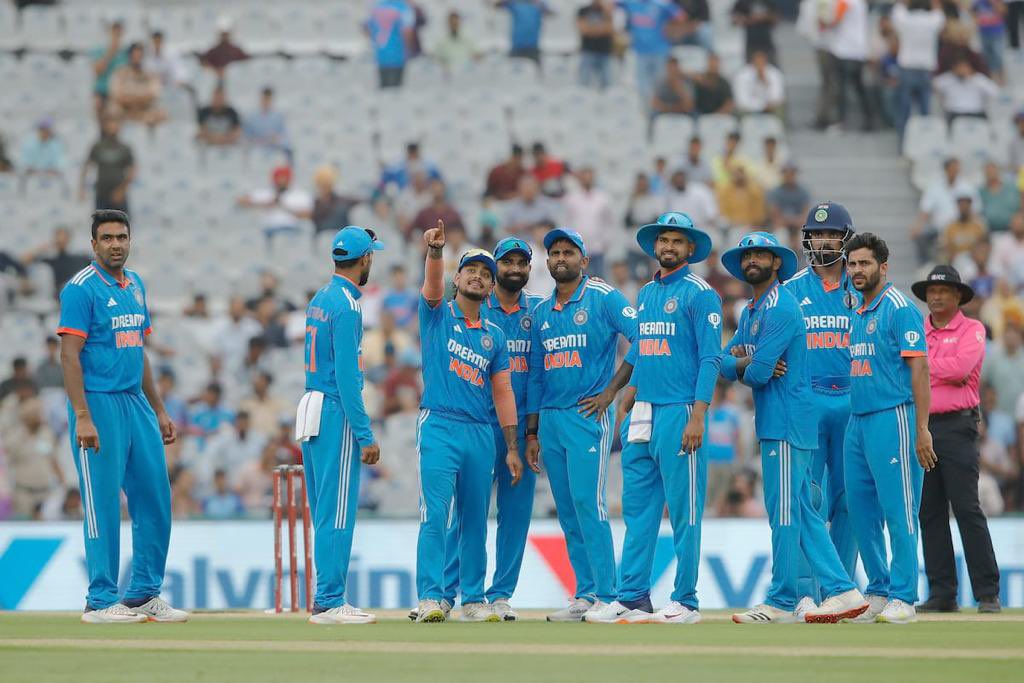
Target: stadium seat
[{"x": 924, "y": 135}]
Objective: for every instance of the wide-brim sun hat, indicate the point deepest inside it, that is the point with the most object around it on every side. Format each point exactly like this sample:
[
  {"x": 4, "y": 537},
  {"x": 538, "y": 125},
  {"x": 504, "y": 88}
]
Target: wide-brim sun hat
[
  {"x": 680, "y": 222},
  {"x": 759, "y": 240}
]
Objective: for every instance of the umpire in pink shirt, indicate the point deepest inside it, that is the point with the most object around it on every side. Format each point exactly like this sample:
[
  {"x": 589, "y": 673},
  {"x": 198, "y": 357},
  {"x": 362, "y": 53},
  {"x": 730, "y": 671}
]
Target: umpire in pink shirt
[{"x": 956, "y": 349}]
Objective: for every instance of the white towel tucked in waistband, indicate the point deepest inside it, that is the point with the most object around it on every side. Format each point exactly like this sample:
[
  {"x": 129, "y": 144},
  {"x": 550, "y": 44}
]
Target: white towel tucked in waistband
[
  {"x": 307, "y": 416},
  {"x": 640, "y": 423}
]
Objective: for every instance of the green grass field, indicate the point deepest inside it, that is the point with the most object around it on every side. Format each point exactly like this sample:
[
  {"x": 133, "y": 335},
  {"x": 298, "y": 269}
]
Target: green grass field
[{"x": 237, "y": 647}]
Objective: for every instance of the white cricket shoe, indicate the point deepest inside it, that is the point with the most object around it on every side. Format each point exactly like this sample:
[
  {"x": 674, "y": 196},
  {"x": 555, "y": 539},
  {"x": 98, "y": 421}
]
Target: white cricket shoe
[
  {"x": 504, "y": 610},
  {"x": 805, "y": 605},
  {"x": 344, "y": 614},
  {"x": 430, "y": 612},
  {"x": 675, "y": 613},
  {"x": 876, "y": 603},
  {"x": 615, "y": 613},
  {"x": 848, "y": 605},
  {"x": 445, "y": 606},
  {"x": 157, "y": 609},
  {"x": 478, "y": 611},
  {"x": 115, "y": 614},
  {"x": 574, "y": 612},
  {"x": 897, "y": 612},
  {"x": 765, "y": 614}
]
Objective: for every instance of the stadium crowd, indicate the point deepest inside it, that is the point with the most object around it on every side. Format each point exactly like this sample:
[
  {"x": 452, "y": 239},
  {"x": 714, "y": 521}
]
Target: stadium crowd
[{"x": 236, "y": 424}]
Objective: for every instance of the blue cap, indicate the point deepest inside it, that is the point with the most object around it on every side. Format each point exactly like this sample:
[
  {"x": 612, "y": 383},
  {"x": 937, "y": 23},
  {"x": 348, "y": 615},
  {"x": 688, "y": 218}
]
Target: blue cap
[
  {"x": 829, "y": 216},
  {"x": 680, "y": 222},
  {"x": 759, "y": 240},
  {"x": 351, "y": 242},
  {"x": 480, "y": 256},
  {"x": 510, "y": 244},
  {"x": 565, "y": 234}
]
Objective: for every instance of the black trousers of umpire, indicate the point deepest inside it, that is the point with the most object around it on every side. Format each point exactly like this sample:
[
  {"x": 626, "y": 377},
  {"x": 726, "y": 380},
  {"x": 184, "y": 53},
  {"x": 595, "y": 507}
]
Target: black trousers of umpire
[{"x": 955, "y": 481}]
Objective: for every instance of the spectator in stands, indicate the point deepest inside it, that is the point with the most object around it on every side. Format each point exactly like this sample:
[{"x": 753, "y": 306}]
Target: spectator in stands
[
  {"x": 1004, "y": 371},
  {"x": 696, "y": 200},
  {"x": 999, "y": 200},
  {"x": 183, "y": 501},
  {"x": 71, "y": 505},
  {"x": 644, "y": 206},
  {"x": 549, "y": 170},
  {"x": 263, "y": 408},
  {"x": 400, "y": 300},
  {"x": 49, "y": 374},
  {"x": 741, "y": 200},
  {"x": 266, "y": 127},
  {"x": 219, "y": 122},
  {"x": 209, "y": 415},
  {"x": 167, "y": 64},
  {"x": 650, "y": 23},
  {"x": 224, "y": 51},
  {"x": 31, "y": 450},
  {"x": 454, "y": 50},
  {"x": 411, "y": 200},
  {"x": 955, "y": 44},
  {"x": 233, "y": 332},
  {"x": 759, "y": 87},
  {"x": 1014, "y": 19},
  {"x": 712, "y": 93},
  {"x": 400, "y": 174},
  {"x": 527, "y": 22},
  {"x": 974, "y": 266},
  {"x": 918, "y": 24},
  {"x": 272, "y": 322},
  {"x": 384, "y": 344},
  {"x": 622, "y": 279},
  {"x": 285, "y": 208},
  {"x": 963, "y": 91},
  {"x": 659, "y": 176},
  {"x": 588, "y": 209},
  {"x": 503, "y": 179},
  {"x": 404, "y": 379},
  {"x": 758, "y": 19},
  {"x": 330, "y": 209},
  {"x": 115, "y": 168},
  {"x": 105, "y": 61},
  {"x": 390, "y": 27},
  {"x": 724, "y": 439},
  {"x": 965, "y": 231},
  {"x": 811, "y": 25},
  {"x": 135, "y": 92},
  {"x": 848, "y": 42},
  {"x": 693, "y": 164},
  {"x": 672, "y": 94},
  {"x": 938, "y": 208},
  {"x": 439, "y": 208},
  {"x": 529, "y": 208},
  {"x": 768, "y": 170},
  {"x": 230, "y": 447},
  {"x": 222, "y": 503},
  {"x": 989, "y": 19},
  {"x": 19, "y": 375},
  {"x": 1017, "y": 146},
  {"x": 43, "y": 152},
  {"x": 596, "y": 27},
  {"x": 721, "y": 167},
  {"x": 254, "y": 480},
  {"x": 456, "y": 240},
  {"x": 697, "y": 29},
  {"x": 1008, "y": 254},
  {"x": 166, "y": 385},
  {"x": 739, "y": 499},
  {"x": 789, "y": 203},
  {"x": 888, "y": 80}
]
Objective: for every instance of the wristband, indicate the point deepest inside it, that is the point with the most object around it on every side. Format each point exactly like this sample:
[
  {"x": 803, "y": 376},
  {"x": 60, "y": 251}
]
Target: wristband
[{"x": 531, "y": 437}]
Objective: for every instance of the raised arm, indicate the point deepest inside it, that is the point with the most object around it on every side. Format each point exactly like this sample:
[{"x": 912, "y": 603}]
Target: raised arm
[{"x": 433, "y": 270}]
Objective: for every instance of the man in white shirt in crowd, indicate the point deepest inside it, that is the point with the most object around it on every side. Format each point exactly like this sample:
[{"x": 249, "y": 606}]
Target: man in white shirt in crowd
[
  {"x": 285, "y": 209},
  {"x": 963, "y": 91},
  {"x": 758, "y": 87},
  {"x": 918, "y": 24},
  {"x": 938, "y": 208},
  {"x": 167, "y": 64},
  {"x": 1008, "y": 253},
  {"x": 847, "y": 38},
  {"x": 696, "y": 200},
  {"x": 588, "y": 210}
]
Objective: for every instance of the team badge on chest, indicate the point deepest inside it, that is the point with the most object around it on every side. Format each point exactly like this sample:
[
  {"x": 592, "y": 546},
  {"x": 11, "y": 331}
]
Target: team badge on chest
[
  {"x": 487, "y": 341},
  {"x": 872, "y": 325},
  {"x": 754, "y": 327},
  {"x": 672, "y": 305},
  {"x": 580, "y": 317},
  {"x": 526, "y": 322},
  {"x": 138, "y": 296}
]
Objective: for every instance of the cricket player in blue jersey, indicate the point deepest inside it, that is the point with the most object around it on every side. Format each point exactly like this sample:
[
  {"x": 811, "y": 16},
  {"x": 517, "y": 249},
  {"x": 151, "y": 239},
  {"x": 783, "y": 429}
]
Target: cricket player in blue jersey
[
  {"x": 769, "y": 354},
  {"x": 827, "y": 300},
  {"x": 676, "y": 359},
  {"x": 570, "y": 418},
  {"x": 118, "y": 427},
  {"x": 466, "y": 380},
  {"x": 890, "y": 395},
  {"x": 332, "y": 424},
  {"x": 508, "y": 306}
]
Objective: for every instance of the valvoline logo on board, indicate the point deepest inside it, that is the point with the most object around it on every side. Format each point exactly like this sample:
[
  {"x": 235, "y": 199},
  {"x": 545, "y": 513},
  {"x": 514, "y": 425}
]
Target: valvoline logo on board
[{"x": 21, "y": 563}]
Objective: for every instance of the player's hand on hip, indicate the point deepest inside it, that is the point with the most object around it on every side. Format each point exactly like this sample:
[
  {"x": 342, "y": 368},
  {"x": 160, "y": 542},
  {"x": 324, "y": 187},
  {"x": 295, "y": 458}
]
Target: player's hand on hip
[
  {"x": 167, "y": 429},
  {"x": 780, "y": 368},
  {"x": 515, "y": 466},
  {"x": 435, "y": 236},
  {"x": 925, "y": 452},
  {"x": 693, "y": 436},
  {"x": 371, "y": 454},
  {"x": 86, "y": 434},
  {"x": 533, "y": 454},
  {"x": 595, "y": 405}
]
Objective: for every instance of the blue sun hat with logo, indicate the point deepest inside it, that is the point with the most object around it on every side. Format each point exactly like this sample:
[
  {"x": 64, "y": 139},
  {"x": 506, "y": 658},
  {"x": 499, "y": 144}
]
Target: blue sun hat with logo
[
  {"x": 680, "y": 222},
  {"x": 759, "y": 240}
]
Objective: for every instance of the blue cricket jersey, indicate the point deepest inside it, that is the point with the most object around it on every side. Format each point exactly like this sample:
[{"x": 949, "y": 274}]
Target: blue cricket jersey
[
  {"x": 527, "y": 18},
  {"x": 645, "y": 20},
  {"x": 334, "y": 337},
  {"x": 113, "y": 319},
  {"x": 677, "y": 353},
  {"x": 459, "y": 359},
  {"x": 883, "y": 335},
  {"x": 516, "y": 323},
  {"x": 827, "y": 318},
  {"x": 387, "y": 23},
  {"x": 572, "y": 354},
  {"x": 772, "y": 328}
]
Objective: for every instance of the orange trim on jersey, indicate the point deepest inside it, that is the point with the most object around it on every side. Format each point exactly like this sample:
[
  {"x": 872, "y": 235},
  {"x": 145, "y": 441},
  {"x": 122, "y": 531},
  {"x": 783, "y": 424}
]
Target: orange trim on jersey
[
  {"x": 148, "y": 331},
  {"x": 830, "y": 287},
  {"x": 662, "y": 274},
  {"x": 913, "y": 354},
  {"x": 72, "y": 331}
]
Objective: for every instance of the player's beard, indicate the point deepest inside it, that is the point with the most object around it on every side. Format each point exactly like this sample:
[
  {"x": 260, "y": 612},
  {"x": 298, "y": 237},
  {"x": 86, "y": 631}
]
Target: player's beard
[
  {"x": 758, "y": 276},
  {"x": 670, "y": 261},
  {"x": 364, "y": 276},
  {"x": 870, "y": 282},
  {"x": 513, "y": 283}
]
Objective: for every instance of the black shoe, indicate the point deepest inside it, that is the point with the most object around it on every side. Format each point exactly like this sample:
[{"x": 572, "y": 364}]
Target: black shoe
[
  {"x": 938, "y": 605},
  {"x": 989, "y": 606}
]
